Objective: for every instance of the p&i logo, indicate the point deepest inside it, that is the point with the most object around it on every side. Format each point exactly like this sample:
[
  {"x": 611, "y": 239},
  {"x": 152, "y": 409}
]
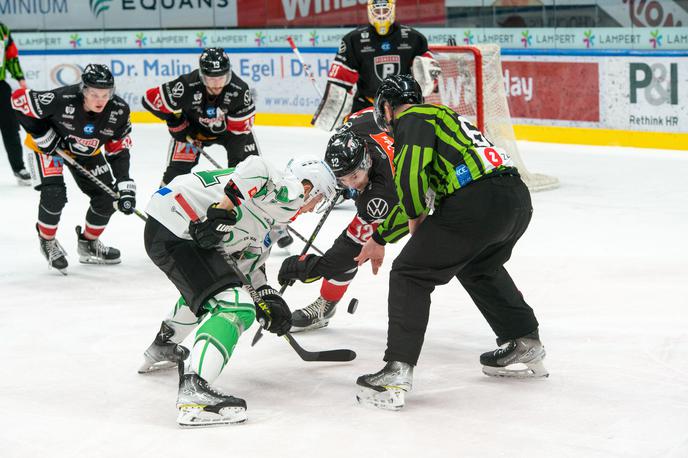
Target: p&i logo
[
  {"x": 589, "y": 39},
  {"x": 526, "y": 39},
  {"x": 468, "y": 37},
  {"x": 99, "y": 6},
  {"x": 658, "y": 82},
  {"x": 656, "y": 39}
]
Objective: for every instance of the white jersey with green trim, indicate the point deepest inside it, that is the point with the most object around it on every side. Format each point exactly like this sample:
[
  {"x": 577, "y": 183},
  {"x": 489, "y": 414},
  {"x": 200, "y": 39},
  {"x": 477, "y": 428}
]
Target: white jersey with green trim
[{"x": 269, "y": 197}]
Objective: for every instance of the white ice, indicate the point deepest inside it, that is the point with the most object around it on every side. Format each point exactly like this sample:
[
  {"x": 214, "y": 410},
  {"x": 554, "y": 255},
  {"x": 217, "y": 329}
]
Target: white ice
[{"x": 604, "y": 265}]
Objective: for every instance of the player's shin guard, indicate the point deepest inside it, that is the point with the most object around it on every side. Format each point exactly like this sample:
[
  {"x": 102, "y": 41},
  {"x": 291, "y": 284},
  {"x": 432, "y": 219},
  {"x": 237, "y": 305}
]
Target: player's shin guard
[
  {"x": 385, "y": 389},
  {"x": 232, "y": 312}
]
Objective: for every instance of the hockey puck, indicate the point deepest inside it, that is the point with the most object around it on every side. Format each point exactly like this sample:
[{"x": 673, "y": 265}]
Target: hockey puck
[{"x": 352, "y": 306}]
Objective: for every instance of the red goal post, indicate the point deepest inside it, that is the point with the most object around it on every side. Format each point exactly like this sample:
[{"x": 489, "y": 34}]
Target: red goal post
[{"x": 472, "y": 84}]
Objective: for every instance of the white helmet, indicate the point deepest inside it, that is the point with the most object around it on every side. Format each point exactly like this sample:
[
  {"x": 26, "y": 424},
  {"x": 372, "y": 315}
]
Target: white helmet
[{"x": 309, "y": 167}]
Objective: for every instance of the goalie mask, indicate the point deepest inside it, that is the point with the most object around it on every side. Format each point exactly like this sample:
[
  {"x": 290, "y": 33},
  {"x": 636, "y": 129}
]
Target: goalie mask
[
  {"x": 214, "y": 67},
  {"x": 381, "y": 15},
  {"x": 318, "y": 173}
]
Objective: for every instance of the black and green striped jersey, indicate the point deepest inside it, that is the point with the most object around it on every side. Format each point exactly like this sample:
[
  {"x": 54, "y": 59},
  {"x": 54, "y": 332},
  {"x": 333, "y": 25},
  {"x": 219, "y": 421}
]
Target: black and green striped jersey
[
  {"x": 10, "y": 55},
  {"x": 436, "y": 148}
]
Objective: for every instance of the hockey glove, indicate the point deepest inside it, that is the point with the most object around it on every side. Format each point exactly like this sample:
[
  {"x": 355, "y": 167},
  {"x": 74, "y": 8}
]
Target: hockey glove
[
  {"x": 298, "y": 268},
  {"x": 209, "y": 232},
  {"x": 127, "y": 196},
  {"x": 50, "y": 143},
  {"x": 350, "y": 193},
  {"x": 272, "y": 312},
  {"x": 180, "y": 129}
]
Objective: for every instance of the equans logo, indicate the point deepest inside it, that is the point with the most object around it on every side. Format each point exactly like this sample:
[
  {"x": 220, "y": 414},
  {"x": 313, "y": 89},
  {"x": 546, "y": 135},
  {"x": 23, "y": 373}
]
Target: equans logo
[{"x": 99, "y": 6}]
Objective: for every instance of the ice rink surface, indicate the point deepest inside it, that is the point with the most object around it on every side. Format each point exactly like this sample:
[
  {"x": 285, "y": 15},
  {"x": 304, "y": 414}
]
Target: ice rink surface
[{"x": 604, "y": 264}]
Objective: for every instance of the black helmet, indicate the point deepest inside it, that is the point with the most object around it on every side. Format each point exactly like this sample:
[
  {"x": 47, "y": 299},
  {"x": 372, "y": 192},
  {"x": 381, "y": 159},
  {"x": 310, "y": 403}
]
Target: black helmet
[
  {"x": 395, "y": 90},
  {"x": 346, "y": 152},
  {"x": 213, "y": 62},
  {"x": 97, "y": 76}
]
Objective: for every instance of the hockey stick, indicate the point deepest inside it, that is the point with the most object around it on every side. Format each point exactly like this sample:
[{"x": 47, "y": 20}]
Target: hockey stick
[
  {"x": 305, "y": 240},
  {"x": 309, "y": 242},
  {"x": 205, "y": 155},
  {"x": 95, "y": 180},
  {"x": 326, "y": 355},
  {"x": 306, "y": 68}
]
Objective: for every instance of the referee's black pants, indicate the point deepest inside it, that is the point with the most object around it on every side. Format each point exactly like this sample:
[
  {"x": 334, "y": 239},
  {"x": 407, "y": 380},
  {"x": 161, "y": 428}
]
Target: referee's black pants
[
  {"x": 470, "y": 237},
  {"x": 9, "y": 126}
]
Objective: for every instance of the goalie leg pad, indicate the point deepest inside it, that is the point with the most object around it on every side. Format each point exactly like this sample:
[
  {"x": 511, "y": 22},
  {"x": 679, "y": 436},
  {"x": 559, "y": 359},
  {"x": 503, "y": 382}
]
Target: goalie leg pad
[{"x": 334, "y": 107}]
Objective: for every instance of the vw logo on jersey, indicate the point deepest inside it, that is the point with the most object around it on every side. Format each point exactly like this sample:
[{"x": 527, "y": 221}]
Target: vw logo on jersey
[
  {"x": 89, "y": 129},
  {"x": 377, "y": 208},
  {"x": 386, "y": 46},
  {"x": 210, "y": 112}
]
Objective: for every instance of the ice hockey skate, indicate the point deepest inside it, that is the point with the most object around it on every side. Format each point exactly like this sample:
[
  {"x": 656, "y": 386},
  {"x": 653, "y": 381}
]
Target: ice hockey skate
[
  {"x": 516, "y": 358},
  {"x": 23, "y": 177},
  {"x": 55, "y": 254},
  {"x": 200, "y": 405},
  {"x": 94, "y": 252},
  {"x": 317, "y": 315},
  {"x": 163, "y": 353},
  {"x": 386, "y": 389}
]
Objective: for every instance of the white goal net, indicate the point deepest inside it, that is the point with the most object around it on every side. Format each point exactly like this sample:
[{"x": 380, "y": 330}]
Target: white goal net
[{"x": 472, "y": 85}]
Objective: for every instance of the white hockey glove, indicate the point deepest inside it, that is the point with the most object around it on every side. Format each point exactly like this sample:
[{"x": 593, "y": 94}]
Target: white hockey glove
[{"x": 334, "y": 107}]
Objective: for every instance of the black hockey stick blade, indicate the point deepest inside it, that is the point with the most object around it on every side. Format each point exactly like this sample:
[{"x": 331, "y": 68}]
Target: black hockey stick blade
[
  {"x": 342, "y": 355},
  {"x": 353, "y": 305}
]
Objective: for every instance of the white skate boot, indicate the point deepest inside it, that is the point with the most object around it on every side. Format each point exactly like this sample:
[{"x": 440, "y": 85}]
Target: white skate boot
[{"x": 517, "y": 358}]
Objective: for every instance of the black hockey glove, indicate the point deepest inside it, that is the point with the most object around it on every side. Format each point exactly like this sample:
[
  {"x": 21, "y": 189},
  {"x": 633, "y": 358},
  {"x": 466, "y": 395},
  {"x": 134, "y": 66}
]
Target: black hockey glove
[
  {"x": 350, "y": 193},
  {"x": 272, "y": 312},
  {"x": 180, "y": 129},
  {"x": 127, "y": 196},
  {"x": 209, "y": 232},
  {"x": 50, "y": 143},
  {"x": 298, "y": 268}
]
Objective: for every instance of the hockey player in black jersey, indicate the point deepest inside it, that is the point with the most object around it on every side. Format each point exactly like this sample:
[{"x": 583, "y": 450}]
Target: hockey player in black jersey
[
  {"x": 360, "y": 155},
  {"x": 209, "y": 106},
  {"x": 82, "y": 120},
  {"x": 369, "y": 54}
]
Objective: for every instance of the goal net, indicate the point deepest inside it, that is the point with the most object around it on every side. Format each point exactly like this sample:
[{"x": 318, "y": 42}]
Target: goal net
[{"x": 472, "y": 85}]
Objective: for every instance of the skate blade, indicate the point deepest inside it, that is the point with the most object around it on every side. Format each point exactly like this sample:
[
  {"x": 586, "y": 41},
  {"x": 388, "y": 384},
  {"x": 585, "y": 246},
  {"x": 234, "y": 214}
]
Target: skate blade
[
  {"x": 531, "y": 370},
  {"x": 310, "y": 327},
  {"x": 193, "y": 416},
  {"x": 392, "y": 398},
  {"x": 149, "y": 366},
  {"x": 95, "y": 260}
]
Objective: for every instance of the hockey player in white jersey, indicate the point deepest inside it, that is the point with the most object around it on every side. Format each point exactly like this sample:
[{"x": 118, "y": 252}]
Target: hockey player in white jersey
[{"x": 191, "y": 220}]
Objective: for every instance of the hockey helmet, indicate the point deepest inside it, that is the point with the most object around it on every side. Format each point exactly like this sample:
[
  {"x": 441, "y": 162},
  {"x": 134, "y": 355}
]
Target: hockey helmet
[
  {"x": 214, "y": 63},
  {"x": 346, "y": 153},
  {"x": 381, "y": 15},
  {"x": 395, "y": 90},
  {"x": 97, "y": 76},
  {"x": 318, "y": 173}
]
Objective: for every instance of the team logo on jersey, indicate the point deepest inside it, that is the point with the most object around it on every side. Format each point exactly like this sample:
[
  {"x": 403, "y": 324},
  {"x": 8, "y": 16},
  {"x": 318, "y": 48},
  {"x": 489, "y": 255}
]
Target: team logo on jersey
[
  {"x": 386, "y": 46},
  {"x": 377, "y": 208},
  {"x": 178, "y": 90},
  {"x": 216, "y": 122},
  {"x": 89, "y": 129},
  {"x": 46, "y": 99},
  {"x": 83, "y": 144},
  {"x": 247, "y": 98},
  {"x": 386, "y": 66}
]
